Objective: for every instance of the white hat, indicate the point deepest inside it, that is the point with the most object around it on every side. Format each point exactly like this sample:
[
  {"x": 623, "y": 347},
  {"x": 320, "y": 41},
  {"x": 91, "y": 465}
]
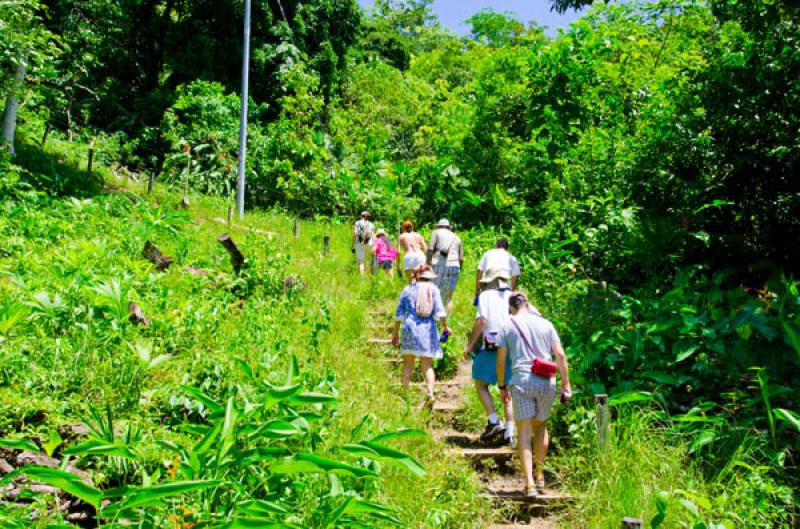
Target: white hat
[
  {"x": 501, "y": 275},
  {"x": 443, "y": 223}
]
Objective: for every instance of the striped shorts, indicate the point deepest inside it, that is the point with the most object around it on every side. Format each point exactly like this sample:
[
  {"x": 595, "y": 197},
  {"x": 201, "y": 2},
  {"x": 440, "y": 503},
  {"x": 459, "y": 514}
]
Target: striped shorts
[
  {"x": 446, "y": 279},
  {"x": 533, "y": 398}
]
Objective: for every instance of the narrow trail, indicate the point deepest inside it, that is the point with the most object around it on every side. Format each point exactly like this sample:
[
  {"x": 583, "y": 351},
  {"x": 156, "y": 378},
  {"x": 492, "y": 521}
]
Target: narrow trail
[{"x": 497, "y": 467}]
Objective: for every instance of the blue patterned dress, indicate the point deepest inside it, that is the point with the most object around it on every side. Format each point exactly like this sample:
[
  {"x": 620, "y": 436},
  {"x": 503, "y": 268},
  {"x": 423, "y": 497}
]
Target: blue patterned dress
[{"x": 419, "y": 337}]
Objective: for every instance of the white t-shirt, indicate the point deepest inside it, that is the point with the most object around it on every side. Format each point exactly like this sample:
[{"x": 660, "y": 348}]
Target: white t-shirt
[
  {"x": 444, "y": 239},
  {"x": 499, "y": 258},
  {"x": 493, "y": 307}
]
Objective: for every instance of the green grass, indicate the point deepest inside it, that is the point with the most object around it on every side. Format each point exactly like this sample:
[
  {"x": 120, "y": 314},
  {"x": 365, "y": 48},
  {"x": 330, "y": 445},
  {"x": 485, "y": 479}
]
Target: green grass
[{"x": 70, "y": 265}]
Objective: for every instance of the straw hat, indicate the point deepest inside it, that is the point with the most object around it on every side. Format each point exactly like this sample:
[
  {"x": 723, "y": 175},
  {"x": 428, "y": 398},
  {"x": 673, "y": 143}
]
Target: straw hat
[
  {"x": 380, "y": 232},
  {"x": 443, "y": 223},
  {"x": 499, "y": 275},
  {"x": 429, "y": 275}
]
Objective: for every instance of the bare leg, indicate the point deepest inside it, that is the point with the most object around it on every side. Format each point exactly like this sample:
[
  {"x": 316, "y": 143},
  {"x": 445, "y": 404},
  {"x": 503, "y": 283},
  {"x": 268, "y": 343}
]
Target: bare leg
[
  {"x": 541, "y": 441},
  {"x": 486, "y": 398},
  {"x": 361, "y": 267},
  {"x": 388, "y": 272},
  {"x": 430, "y": 376},
  {"x": 408, "y": 367},
  {"x": 525, "y": 428}
]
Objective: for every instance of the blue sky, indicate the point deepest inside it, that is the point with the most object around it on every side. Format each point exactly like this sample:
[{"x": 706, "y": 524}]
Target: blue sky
[{"x": 452, "y": 13}]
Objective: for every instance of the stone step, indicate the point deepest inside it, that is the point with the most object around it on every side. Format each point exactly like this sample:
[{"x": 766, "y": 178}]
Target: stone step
[
  {"x": 501, "y": 453},
  {"x": 380, "y": 341},
  {"x": 446, "y": 406},
  {"x": 535, "y": 523},
  {"x": 544, "y": 498}
]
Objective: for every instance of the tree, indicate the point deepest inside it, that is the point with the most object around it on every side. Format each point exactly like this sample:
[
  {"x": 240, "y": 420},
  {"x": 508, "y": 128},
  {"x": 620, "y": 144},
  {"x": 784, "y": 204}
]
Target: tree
[
  {"x": 562, "y": 6},
  {"x": 494, "y": 29},
  {"x": 24, "y": 46}
]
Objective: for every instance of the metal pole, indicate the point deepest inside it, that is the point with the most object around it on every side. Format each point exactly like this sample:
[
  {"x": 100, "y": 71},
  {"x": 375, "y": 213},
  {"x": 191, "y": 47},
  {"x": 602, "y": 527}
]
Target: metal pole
[{"x": 243, "y": 118}]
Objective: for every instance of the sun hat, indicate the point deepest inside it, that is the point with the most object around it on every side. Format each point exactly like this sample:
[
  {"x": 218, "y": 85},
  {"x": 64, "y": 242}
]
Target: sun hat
[
  {"x": 380, "y": 232},
  {"x": 365, "y": 214},
  {"x": 443, "y": 223},
  {"x": 499, "y": 275},
  {"x": 427, "y": 274}
]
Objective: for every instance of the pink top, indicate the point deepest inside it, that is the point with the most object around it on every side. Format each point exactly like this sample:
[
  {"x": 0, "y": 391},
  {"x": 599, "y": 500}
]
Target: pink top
[{"x": 384, "y": 251}]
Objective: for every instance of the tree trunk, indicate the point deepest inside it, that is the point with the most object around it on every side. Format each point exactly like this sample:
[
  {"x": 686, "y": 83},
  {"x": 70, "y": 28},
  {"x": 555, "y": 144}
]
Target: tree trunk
[{"x": 10, "y": 112}]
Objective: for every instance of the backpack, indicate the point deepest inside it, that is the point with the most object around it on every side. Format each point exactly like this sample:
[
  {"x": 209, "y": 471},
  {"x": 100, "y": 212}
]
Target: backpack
[{"x": 364, "y": 231}]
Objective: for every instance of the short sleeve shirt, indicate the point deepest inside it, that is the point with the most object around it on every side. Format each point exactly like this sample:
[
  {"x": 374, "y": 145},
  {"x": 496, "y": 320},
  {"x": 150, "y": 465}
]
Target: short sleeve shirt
[
  {"x": 541, "y": 335},
  {"x": 365, "y": 226},
  {"x": 499, "y": 258},
  {"x": 493, "y": 307},
  {"x": 443, "y": 239}
]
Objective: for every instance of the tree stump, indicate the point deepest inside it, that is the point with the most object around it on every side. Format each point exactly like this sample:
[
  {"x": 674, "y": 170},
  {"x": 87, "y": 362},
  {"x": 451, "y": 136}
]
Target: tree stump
[
  {"x": 184, "y": 203},
  {"x": 154, "y": 255},
  {"x": 632, "y": 523},
  {"x": 137, "y": 316},
  {"x": 326, "y": 244},
  {"x": 237, "y": 258}
]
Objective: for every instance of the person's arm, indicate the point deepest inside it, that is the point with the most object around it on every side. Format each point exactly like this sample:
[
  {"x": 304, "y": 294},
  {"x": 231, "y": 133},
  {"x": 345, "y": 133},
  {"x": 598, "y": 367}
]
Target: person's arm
[
  {"x": 515, "y": 272},
  {"x": 422, "y": 243},
  {"x": 430, "y": 248},
  {"x": 514, "y": 281},
  {"x": 396, "y": 334},
  {"x": 353, "y": 242},
  {"x": 460, "y": 253},
  {"x": 502, "y": 353},
  {"x": 399, "y": 314},
  {"x": 563, "y": 369},
  {"x": 439, "y": 310},
  {"x": 477, "y": 331},
  {"x": 478, "y": 276}
]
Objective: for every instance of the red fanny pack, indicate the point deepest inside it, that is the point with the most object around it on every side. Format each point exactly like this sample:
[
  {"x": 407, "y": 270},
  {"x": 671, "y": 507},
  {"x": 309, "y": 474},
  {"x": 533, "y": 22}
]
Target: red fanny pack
[{"x": 544, "y": 368}]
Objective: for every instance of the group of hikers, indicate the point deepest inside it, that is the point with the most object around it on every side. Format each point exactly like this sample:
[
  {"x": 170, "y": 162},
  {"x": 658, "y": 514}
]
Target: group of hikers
[{"x": 511, "y": 344}]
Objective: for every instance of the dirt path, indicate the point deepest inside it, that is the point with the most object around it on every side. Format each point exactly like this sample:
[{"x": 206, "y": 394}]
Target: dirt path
[{"x": 497, "y": 466}]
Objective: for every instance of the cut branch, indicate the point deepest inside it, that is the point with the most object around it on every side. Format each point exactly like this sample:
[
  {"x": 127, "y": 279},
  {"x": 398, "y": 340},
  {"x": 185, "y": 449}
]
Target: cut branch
[
  {"x": 237, "y": 259},
  {"x": 137, "y": 316},
  {"x": 154, "y": 255}
]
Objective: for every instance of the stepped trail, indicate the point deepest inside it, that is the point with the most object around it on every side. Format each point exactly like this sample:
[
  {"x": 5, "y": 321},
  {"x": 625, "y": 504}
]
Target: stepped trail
[{"x": 497, "y": 467}]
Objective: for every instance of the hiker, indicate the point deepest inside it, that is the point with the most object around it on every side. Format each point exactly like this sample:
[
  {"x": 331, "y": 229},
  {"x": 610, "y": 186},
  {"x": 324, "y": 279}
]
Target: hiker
[
  {"x": 414, "y": 248},
  {"x": 492, "y": 314},
  {"x": 385, "y": 252},
  {"x": 362, "y": 239},
  {"x": 530, "y": 341},
  {"x": 418, "y": 308},
  {"x": 498, "y": 257},
  {"x": 446, "y": 255}
]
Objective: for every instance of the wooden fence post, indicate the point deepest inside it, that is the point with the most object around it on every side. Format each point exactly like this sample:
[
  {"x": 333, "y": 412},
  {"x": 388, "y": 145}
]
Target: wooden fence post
[
  {"x": 91, "y": 158},
  {"x": 603, "y": 420},
  {"x": 230, "y": 215},
  {"x": 374, "y": 264},
  {"x": 326, "y": 244},
  {"x": 296, "y": 228},
  {"x": 632, "y": 523},
  {"x": 151, "y": 182},
  {"x": 237, "y": 259}
]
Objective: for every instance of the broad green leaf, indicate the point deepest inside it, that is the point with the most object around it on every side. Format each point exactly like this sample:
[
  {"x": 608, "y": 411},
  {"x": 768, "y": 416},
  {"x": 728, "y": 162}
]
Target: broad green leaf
[
  {"x": 258, "y": 523},
  {"x": 65, "y": 481},
  {"x": 789, "y": 417},
  {"x": 311, "y": 398},
  {"x": 143, "y": 496},
  {"x": 683, "y": 350},
  {"x": 630, "y": 396},
  {"x": 311, "y": 463},
  {"x": 380, "y": 452},
  {"x": 792, "y": 334},
  {"x": 213, "y": 406},
  {"x": 400, "y": 434},
  {"x": 277, "y": 430},
  {"x": 100, "y": 448},
  {"x": 19, "y": 444},
  {"x": 261, "y": 507},
  {"x": 228, "y": 428}
]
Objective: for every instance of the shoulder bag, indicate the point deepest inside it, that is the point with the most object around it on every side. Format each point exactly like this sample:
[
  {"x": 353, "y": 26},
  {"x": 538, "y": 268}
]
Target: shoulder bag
[{"x": 542, "y": 368}]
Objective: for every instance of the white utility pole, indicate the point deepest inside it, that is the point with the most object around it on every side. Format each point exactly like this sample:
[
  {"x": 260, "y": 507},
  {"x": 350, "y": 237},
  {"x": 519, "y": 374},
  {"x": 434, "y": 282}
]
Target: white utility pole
[{"x": 243, "y": 118}]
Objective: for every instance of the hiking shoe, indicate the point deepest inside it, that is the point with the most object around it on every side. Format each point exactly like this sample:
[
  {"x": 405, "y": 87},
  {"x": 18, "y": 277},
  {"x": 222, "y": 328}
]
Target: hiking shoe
[
  {"x": 492, "y": 431},
  {"x": 530, "y": 491},
  {"x": 510, "y": 441}
]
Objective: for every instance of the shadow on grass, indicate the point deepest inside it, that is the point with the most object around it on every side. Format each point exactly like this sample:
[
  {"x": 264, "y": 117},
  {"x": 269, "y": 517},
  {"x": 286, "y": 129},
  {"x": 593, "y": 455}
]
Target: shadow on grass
[{"x": 58, "y": 173}]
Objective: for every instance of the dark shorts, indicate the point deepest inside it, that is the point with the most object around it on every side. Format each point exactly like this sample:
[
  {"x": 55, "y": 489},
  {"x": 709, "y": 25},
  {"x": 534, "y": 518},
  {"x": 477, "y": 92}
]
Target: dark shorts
[{"x": 386, "y": 265}]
